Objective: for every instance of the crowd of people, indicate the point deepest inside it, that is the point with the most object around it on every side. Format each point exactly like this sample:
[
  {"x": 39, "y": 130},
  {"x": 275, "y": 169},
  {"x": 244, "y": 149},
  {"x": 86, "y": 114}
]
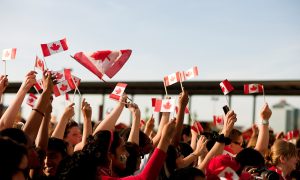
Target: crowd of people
[{"x": 106, "y": 151}]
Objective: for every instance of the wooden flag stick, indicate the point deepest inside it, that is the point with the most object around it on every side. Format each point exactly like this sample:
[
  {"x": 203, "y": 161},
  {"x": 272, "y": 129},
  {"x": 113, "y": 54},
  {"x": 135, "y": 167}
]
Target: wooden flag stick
[
  {"x": 166, "y": 89},
  {"x": 4, "y": 67},
  {"x": 74, "y": 94},
  {"x": 45, "y": 63},
  {"x": 36, "y": 90},
  {"x": 181, "y": 82},
  {"x": 227, "y": 101}
]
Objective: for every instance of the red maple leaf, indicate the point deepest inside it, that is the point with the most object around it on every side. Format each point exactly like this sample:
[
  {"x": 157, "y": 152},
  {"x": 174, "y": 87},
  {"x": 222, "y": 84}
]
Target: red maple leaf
[
  {"x": 63, "y": 87},
  {"x": 100, "y": 55},
  {"x": 59, "y": 75},
  {"x": 40, "y": 63},
  {"x": 55, "y": 47},
  {"x": 188, "y": 73},
  {"x": 30, "y": 100},
  {"x": 229, "y": 175},
  {"x": 223, "y": 89},
  {"x": 7, "y": 54},
  {"x": 118, "y": 91},
  {"x": 253, "y": 88},
  {"x": 167, "y": 105},
  {"x": 172, "y": 78}
]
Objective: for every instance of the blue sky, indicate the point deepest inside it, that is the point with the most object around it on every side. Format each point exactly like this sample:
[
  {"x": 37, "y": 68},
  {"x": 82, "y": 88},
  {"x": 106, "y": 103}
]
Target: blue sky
[{"x": 237, "y": 40}]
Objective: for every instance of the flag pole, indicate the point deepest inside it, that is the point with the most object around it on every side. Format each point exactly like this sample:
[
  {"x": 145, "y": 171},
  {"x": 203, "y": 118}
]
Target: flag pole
[
  {"x": 36, "y": 90},
  {"x": 4, "y": 67},
  {"x": 226, "y": 96},
  {"x": 181, "y": 82},
  {"x": 166, "y": 89},
  {"x": 263, "y": 88},
  {"x": 45, "y": 63}
]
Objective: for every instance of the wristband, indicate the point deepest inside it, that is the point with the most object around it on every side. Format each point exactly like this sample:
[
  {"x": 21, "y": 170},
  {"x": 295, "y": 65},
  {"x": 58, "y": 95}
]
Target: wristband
[
  {"x": 222, "y": 139},
  {"x": 39, "y": 112},
  {"x": 265, "y": 122}
]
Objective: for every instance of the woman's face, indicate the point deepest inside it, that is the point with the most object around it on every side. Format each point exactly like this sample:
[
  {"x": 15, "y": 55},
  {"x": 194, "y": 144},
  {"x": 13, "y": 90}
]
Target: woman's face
[
  {"x": 119, "y": 159},
  {"x": 291, "y": 164},
  {"x": 236, "y": 145},
  {"x": 74, "y": 136}
]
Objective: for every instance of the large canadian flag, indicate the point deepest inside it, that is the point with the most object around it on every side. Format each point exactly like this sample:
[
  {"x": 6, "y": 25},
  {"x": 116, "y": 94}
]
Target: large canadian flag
[
  {"x": 103, "y": 62},
  {"x": 8, "y": 54},
  {"x": 31, "y": 100},
  {"x": 165, "y": 105},
  {"x": 226, "y": 86},
  {"x": 118, "y": 91},
  {"x": 190, "y": 73},
  {"x": 253, "y": 88},
  {"x": 61, "y": 88},
  {"x": 39, "y": 63},
  {"x": 54, "y": 47},
  {"x": 172, "y": 78}
]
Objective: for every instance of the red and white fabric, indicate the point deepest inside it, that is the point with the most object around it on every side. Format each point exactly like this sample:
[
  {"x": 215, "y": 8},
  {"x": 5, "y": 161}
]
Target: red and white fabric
[
  {"x": 186, "y": 110},
  {"x": 54, "y": 47},
  {"x": 228, "y": 174},
  {"x": 153, "y": 101},
  {"x": 142, "y": 123},
  {"x": 165, "y": 105},
  {"x": 292, "y": 135},
  {"x": 218, "y": 120},
  {"x": 226, "y": 86},
  {"x": 66, "y": 75},
  {"x": 38, "y": 85},
  {"x": 61, "y": 88},
  {"x": 39, "y": 63},
  {"x": 31, "y": 100},
  {"x": 172, "y": 78},
  {"x": 118, "y": 91},
  {"x": 190, "y": 73},
  {"x": 103, "y": 62},
  {"x": 8, "y": 54},
  {"x": 253, "y": 88},
  {"x": 197, "y": 127}
]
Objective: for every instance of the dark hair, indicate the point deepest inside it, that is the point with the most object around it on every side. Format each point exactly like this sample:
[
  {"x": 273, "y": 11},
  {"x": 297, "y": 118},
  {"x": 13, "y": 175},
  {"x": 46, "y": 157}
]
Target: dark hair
[
  {"x": 188, "y": 173},
  {"x": 185, "y": 149},
  {"x": 116, "y": 141},
  {"x": 69, "y": 125},
  {"x": 11, "y": 155},
  {"x": 134, "y": 154},
  {"x": 250, "y": 157},
  {"x": 186, "y": 130},
  {"x": 83, "y": 164},
  {"x": 58, "y": 145},
  {"x": 234, "y": 134},
  {"x": 15, "y": 134}
]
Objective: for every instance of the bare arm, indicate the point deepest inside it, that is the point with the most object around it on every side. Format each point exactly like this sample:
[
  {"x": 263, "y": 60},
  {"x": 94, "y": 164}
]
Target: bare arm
[
  {"x": 182, "y": 102},
  {"x": 149, "y": 126},
  {"x": 134, "y": 132},
  {"x": 164, "y": 120},
  {"x": 61, "y": 126},
  {"x": 7, "y": 120},
  {"x": 263, "y": 133},
  {"x": 33, "y": 123},
  {"x": 110, "y": 120},
  {"x": 3, "y": 85},
  {"x": 194, "y": 139}
]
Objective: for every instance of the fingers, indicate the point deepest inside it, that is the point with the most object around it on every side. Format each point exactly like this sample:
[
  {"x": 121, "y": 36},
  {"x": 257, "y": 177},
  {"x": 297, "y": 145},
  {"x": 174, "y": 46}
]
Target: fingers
[{"x": 71, "y": 105}]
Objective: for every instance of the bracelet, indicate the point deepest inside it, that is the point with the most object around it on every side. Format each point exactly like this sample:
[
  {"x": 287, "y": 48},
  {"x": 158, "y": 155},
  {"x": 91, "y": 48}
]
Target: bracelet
[
  {"x": 265, "y": 122},
  {"x": 38, "y": 111},
  {"x": 222, "y": 139}
]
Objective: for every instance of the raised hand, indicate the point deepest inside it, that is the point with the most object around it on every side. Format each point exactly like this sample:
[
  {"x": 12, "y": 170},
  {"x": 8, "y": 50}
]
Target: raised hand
[
  {"x": 134, "y": 109},
  {"x": 86, "y": 109},
  {"x": 168, "y": 131},
  {"x": 149, "y": 126},
  {"x": 183, "y": 99},
  {"x": 48, "y": 81},
  {"x": 265, "y": 112},
  {"x": 201, "y": 146},
  {"x": 69, "y": 112},
  {"x": 229, "y": 121},
  {"x": 29, "y": 81},
  {"x": 3, "y": 83}
]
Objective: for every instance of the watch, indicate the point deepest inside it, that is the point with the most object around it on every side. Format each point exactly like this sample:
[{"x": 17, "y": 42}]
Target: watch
[{"x": 265, "y": 122}]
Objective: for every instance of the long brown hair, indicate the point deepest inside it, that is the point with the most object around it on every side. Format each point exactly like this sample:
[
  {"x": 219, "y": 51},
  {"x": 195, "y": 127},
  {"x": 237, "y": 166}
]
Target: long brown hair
[{"x": 281, "y": 148}]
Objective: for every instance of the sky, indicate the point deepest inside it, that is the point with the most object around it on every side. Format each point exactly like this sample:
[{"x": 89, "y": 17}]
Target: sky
[{"x": 237, "y": 40}]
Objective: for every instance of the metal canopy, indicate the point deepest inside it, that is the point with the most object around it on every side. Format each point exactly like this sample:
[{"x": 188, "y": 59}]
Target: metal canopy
[{"x": 193, "y": 87}]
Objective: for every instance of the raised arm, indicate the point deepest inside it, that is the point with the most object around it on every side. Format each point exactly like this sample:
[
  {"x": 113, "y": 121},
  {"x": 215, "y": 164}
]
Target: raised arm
[
  {"x": 42, "y": 137},
  {"x": 218, "y": 147},
  {"x": 110, "y": 120},
  {"x": 33, "y": 123},
  {"x": 263, "y": 133},
  {"x": 163, "y": 121},
  {"x": 87, "y": 124},
  {"x": 182, "y": 102},
  {"x": 7, "y": 120},
  {"x": 134, "y": 132},
  {"x": 3, "y": 85},
  {"x": 149, "y": 126},
  {"x": 61, "y": 126}
]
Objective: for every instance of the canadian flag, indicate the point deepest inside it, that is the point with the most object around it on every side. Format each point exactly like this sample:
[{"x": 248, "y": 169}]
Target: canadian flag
[
  {"x": 31, "y": 100},
  {"x": 54, "y": 47},
  {"x": 186, "y": 110},
  {"x": 39, "y": 63},
  {"x": 118, "y": 91},
  {"x": 165, "y": 105},
  {"x": 228, "y": 174},
  {"x": 66, "y": 75},
  {"x": 153, "y": 101},
  {"x": 226, "y": 86},
  {"x": 190, "y": 73},
  {"x": 61, "y": 88},
  {"x": 197, "y": 127},
  {"x": 253, "y": 88},
  {"x": 8, "y": 54},
  {"x": 103, "y": 62},
  {"x": 292, "y": 134},
  {"x": 218, "y": 120},
  {"x": 172, "y": 79},
  {"x": 38, "y": 85}
]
